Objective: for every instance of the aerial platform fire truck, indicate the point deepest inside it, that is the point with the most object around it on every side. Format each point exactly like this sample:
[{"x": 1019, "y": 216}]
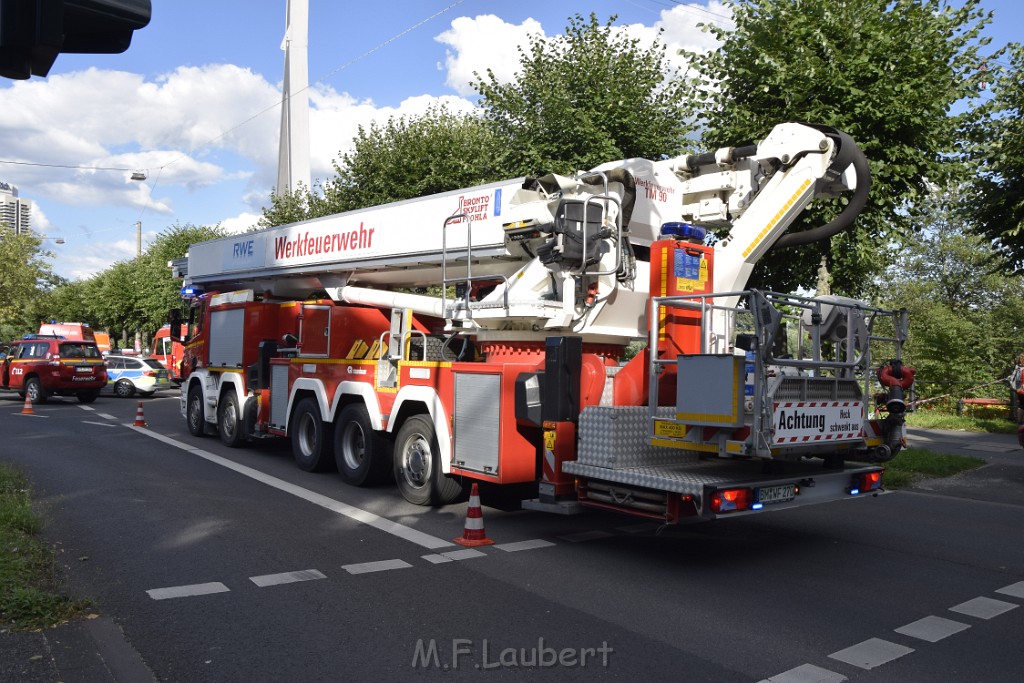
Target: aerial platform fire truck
[{"x": 482, "y": 335}]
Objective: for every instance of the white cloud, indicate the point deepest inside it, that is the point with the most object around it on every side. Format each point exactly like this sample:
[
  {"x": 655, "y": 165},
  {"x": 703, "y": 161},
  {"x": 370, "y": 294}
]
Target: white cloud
[{"x": 482, "y": 43}]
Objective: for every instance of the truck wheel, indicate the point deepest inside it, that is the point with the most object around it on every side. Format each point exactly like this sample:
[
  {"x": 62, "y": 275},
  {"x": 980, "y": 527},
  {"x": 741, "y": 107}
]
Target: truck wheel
[
  {"x": 124, "y": 389},
  {"x": 35, "y": 391},
  {"x": 417, "y": 465},
  {"x": 229, "y": 422},
  {"x": 362, "y": 454},
  {"x": 311, "y": 439},
  {"x": 194, "y": 413},
  {"x": 88, "y": 396}
]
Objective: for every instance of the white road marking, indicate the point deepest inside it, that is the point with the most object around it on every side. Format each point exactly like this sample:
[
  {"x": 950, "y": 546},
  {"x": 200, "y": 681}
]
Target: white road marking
[
  {"x": 1015, "y": 590},
  {"x": 983, "y": 608},
  {"x": 585, "y": 536},
  {"x": 871, "y": 653},
  {"x": 94, "y": 422},
  {"x": 523, "y": 545},
  {"x": 464, "y": 554},
  {"x": 187, "y": 591},
  {"x": 29, "y": 415},
  {"x": 287, "y": 577},
  {"x": 352, "y": 512},
  {"x": 806, "y": 673},
  {"x": 381, "y": 566},
  {"x": 89, "y": 408},
  {"x": 932, "y": 628},
  {"x": 107, "y": 416}
]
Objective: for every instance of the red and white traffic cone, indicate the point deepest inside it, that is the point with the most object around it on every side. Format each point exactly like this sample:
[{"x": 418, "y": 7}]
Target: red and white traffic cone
[
  {"x": 27, "y": 409},
  {"x": 140, "y": 420},
  {"x": 473, "y": 534}
]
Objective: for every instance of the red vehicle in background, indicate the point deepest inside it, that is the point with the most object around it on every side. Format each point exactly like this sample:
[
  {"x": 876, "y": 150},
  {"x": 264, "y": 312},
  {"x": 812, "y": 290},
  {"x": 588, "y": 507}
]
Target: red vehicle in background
[{"x": 169, "y": 351}]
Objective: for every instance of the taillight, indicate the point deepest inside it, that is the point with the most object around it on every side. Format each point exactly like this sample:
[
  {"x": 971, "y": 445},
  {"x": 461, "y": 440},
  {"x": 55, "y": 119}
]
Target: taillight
[
  {"x": 869, "y": 481},
  {"x": 149, "y": 373},
  {"x": 731, "y": 500}
]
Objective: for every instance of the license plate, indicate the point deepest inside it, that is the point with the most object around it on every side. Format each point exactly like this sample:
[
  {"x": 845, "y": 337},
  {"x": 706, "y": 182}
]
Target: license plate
[
  {"x": 776, "y": 494},
  {"x": 83, "y": 369}
]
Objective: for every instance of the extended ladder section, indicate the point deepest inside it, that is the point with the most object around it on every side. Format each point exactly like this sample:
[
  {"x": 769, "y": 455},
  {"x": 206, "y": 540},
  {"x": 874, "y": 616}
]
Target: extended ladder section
[{"x": 528, "y": 258}]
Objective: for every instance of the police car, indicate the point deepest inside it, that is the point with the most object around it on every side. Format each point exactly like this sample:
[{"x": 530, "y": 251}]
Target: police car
[{"x": 130, "y": 375}]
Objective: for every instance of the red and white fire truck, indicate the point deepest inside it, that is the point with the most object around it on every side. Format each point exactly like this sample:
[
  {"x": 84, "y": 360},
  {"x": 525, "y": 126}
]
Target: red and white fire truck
[{"x": 481, "y": 335}]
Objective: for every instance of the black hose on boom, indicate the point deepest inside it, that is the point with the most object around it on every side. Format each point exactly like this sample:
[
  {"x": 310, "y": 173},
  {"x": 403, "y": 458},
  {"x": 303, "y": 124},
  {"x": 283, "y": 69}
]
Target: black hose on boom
[{"x": 847, "y": 153}]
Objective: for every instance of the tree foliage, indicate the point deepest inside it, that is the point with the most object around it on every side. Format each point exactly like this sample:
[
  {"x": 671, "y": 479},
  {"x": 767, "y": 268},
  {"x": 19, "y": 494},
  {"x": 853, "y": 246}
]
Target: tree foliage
[
  {"x": 127, "y": 296},
  {"x": 966, "y": 318},
  {"x": 995, "y": 153},
  {"x": 590, "y": 96},
  {"x": 886, "y": 72},
  {"x": 25, "y": 275}
]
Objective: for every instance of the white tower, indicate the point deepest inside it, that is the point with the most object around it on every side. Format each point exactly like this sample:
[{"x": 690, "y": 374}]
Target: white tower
[{"x": 293, "y": 157}]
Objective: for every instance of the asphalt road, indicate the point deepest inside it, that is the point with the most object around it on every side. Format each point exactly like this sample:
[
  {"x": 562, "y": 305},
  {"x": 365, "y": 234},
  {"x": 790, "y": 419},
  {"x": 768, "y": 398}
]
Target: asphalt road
[{"x": 213, "y": 564}]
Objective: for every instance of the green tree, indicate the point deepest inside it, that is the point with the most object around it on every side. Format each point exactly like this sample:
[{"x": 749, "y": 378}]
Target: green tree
[
  {"x": 965, "y": 316},
  {"x": 414, "y": 156},
  {"x": 25, "y": 274},
  {"x": 590, "y": 96},
  {"x": 886, "y": 72},
  {"x": 294, "y": 206},
  {"x": 996, "y": 153}
]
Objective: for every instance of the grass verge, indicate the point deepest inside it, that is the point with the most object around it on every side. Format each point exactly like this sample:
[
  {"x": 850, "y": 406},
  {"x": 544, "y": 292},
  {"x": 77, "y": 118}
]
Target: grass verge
[
  {"x": 913, "y": 463},
  {"x": 926, "y": 419},
  {"x": 29, "y": 585}
]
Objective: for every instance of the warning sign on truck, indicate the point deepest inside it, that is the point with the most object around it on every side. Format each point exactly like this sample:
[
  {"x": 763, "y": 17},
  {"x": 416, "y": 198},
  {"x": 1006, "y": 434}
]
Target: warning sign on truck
[{"x": 810, "y": 421}]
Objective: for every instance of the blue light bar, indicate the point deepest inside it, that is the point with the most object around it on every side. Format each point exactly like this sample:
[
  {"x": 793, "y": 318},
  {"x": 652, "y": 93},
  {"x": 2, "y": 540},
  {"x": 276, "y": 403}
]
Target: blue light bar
[
  {"x": 757, "y": 506},
  {"x": 684, "y": 231}
]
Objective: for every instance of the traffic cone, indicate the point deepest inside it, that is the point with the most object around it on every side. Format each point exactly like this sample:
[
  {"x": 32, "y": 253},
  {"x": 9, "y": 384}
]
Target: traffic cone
[
  {"x": 140, "y": 421},
  {"x": 27, "y": 409},
  {"x": 473, "y": 533}
]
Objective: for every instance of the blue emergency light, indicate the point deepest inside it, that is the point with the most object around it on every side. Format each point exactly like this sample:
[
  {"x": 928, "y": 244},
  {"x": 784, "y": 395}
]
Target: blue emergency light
[{"x": 684, "y": 232}]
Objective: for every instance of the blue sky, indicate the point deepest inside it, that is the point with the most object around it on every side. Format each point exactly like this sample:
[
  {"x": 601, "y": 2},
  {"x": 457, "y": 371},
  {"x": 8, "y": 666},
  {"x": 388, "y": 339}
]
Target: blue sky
[{"x": 194, "y": 102}]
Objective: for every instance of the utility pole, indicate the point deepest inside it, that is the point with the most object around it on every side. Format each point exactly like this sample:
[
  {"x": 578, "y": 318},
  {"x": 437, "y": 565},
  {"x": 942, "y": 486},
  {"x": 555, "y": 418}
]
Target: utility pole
[{"x": 138, "y": 254}]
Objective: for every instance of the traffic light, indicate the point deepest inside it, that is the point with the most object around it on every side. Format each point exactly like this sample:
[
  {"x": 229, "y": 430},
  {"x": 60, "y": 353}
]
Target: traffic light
[{"x": 34, "y": 32}]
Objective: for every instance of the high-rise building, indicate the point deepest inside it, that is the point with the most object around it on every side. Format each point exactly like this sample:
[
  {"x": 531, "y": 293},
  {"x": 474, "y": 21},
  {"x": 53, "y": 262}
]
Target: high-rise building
[{"x": 15, "y": 212}]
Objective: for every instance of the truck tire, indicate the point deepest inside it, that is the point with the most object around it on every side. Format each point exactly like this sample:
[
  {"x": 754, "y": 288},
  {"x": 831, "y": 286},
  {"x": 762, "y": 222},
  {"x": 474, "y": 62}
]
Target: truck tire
[
  {"x": 194, "y": 416},
  {"x": 35, "y": 392},
  {"x": 88, "y": 396},
  {"x": 417, "y": 465},
  {"x": 311, "y": 438},
  {"x": 363, "y": 455},
  {"x": 229, "y": 421}
]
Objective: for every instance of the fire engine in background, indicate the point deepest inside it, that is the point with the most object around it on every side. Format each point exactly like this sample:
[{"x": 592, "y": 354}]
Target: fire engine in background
[
  {"x": 516, "y": 371},
  {"x": 169, "y": 351},
  {"x": 77, "y": 332}
]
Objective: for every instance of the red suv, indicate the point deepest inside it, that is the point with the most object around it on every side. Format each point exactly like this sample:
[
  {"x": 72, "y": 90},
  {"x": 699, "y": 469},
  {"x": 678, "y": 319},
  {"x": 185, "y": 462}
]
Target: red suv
[{"x": 42, "y": 366}]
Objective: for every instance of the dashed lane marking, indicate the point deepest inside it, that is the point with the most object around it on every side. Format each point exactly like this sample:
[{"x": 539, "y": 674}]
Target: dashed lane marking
[
  {"x": 87, "y": 408},
  {"x": 932, "y": 628},
  {"x": 286, "y": 577},
  {"x": 352, "y": 512},
  {"x": 466, "y": 554},
  {"x": 1015, "y": 590},
  {"x": 101, "y": 424},
  {"x": 107, "y": 416},
  {"x": 188, "y": 591},
  {"x": 381, "y": 566},
  {"x": 806, "y": 673},
  {"x": 871, "y": 653},
  {"x": 983, "y": 608},
  {"x": 523, "y": 545}
]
